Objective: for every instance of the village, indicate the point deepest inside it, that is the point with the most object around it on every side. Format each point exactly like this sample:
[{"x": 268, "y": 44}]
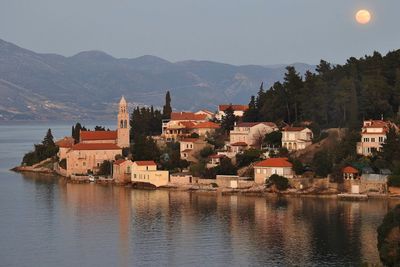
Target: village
[{"x": 255, "y": 157}]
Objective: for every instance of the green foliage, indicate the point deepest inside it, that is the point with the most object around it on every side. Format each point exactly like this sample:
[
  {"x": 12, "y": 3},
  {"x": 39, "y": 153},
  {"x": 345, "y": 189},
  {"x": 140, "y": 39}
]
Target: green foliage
[
  {"x": 247, "y": 157},
  {"x": 322, "y": 163},
  {"x": 281, "y": 183},
  {"x": 273, "y": 139},
  {"x": 171, "y": 159},
  {"x": 105, "y": 168},
  {"x": 167, "y": 109},
  {"x": 46, "y": 149},
  {"x": 388, "y": 238},
  {"x": 394, "y": 180},
  {"x": 206, "y": 152},
  {"x": 282, "y": 153},
  {"x": 145, "y": 148},
  {"x": 217, "y": 139},
  {"x": 145, "y": 121},
  {"x": 76, "y": 131},
  {"x": 228, "y": 121},
  {"x": 298, "y": 167},
  {"x": 194, "y": 135},
  {"x": 99, "y": 128},
  {"x": 335, "y": 96},
  {"x": 224, "y": 168}
]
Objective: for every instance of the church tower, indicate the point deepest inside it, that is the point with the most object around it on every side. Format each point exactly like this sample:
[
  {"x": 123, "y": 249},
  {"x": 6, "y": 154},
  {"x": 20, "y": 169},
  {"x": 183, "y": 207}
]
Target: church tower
[{"x": 123, "y": 124}]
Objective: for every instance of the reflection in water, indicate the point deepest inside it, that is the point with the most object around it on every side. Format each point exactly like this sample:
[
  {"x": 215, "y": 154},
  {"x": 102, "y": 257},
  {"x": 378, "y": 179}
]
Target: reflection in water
[{"x": 110, "y": 225}]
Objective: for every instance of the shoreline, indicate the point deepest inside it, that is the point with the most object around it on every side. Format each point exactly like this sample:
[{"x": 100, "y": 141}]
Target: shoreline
[{"x": 198, "y": 188}]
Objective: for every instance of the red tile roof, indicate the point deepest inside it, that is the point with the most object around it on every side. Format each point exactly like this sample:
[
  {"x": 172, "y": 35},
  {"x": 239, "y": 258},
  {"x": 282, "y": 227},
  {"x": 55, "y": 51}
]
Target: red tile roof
[
  {"x": 95, "y": 146},
  {"x": 349, "y": 169},
  {"x": 188, "y": 124},
  {"x": 66, "y": 142},
  {"x": 145, "y": 163},
  {"x": 234, "y": 107},
  {"x": 274, "y": 162},
  {"x": 187, "y": 116},
  {"x": 207, "y": 125},
  {"x": 251, "y": 124},
  {"x": 239, "y": 144},
  {"x": 98, "y": 135}
]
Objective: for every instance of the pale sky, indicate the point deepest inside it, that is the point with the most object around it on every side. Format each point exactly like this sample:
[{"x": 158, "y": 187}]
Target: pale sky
[{"x": 232, "y": 31}]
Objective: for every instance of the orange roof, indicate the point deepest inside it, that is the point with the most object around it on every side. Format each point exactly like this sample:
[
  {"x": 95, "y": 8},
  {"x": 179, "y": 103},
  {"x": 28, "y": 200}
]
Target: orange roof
[
  {"x": 98, "y": 135},
  {"x": 145, "y": 163},
  {"x": 187, "y": 116},
  {"x": 66, "y": 142},
  {"x": 274, "y": 162},
  {"x": 234, "y": 107},
  {"x": 207, "y": 125},
  {"x": 239, "y": 144},
  {"x": 187, "y": 124},
  {"x": 349, "y": 169},
  {"x": 95, "y": 146},
  {"x": 190, "y": 140}
]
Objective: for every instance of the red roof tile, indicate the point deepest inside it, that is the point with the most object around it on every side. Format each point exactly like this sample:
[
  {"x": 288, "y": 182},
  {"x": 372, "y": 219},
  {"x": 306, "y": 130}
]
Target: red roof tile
[
  {"x": 349, "y": 169},
  {"x": 206, "y": 125},
  {"x": 95, "y": 146},
  {"x": 98, "y": 135},
  {"x": 234, "y": 107},
  {"x": 145, "y": 163},
  {"x": 251, "y": 124},
  {"x": 274, "y": 162},
  {"x": 187, "y": 116},
  {"x": 66, "y": 142}
]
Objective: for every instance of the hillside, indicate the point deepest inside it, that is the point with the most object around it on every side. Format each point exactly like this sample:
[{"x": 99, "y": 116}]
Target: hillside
[{"x": 87, "y": 85}]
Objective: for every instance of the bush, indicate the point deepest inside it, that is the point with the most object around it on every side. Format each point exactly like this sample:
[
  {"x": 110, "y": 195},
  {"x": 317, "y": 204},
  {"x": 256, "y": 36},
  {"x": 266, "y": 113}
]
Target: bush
[
  {"x": 105, "y": 168},
  {"x": 298, "y": 167},
  {"x": 280, "y": 182},
  {"x": 247, "y": 157},
  {"x": 207, "y": 151},
  {"x": 388, "y": 238},
  {"x": 394, "y": 180}
]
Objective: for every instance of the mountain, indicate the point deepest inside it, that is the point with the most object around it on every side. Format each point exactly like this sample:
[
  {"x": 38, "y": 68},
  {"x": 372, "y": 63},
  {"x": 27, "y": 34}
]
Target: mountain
[{"x": 88, "y": 85}]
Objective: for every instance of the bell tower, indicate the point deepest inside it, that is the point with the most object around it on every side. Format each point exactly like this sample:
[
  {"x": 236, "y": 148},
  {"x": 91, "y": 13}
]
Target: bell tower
[{"x": 123, "y": 124}]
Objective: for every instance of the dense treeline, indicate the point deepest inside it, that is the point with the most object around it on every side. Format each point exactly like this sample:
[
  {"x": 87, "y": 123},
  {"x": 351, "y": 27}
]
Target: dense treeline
[
  {"x": 333, "y": 96},
  {"x": 145, "y": 121},
  {"x": 46, "y": 149}
]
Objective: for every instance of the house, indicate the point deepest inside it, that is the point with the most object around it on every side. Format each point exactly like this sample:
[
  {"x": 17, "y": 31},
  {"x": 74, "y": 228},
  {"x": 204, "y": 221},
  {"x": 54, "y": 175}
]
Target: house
[
  {"x": 350, "y": 173},
  {"x": 264, "y": 169},
  {"x": 122, "y": 170},
  {"x": 98, "y": 146},
  {"x": 146, "y": 172},
  {"x": 215, "y": 160},
  {"x": 205, "y": 128},
  {"x": 181, "y": 125},
  {"x": 296, "y": 138},
  {"x": 373, "y": 135},
  {"x": 210, "y": 115},
  {"x": 189, "y": 147},
  {"x": 64, "y": 145},
  {"x": 87, "y": 158},
  {"x": 250, "y": 133},
  {"x": 238, "y": 110}
]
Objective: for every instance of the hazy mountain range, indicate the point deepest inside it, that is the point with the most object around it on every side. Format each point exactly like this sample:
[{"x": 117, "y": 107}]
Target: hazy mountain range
[{"x": 88, "y": 85}]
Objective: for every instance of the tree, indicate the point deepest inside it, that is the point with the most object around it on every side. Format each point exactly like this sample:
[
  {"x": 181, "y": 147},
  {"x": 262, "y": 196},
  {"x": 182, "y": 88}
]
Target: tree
[
  {"x": 206, "y": 152},
  {"x": 298, "y": 167},
  {"x": 281, "y": 183},
  {"x": 247, "y": 157},
  {"x": 76, "y": 131},
  {"x": 145, "y": 148},
  {"x": 167, "y": 109},
  {"x": 45, "y": 150},
  {"x": 388, "y": 238},
  {"x": 273, "y": 139},
  {"x": 105, "y": 168},
  {"x": 48, "y": 140},
  {"x": 228, "y": 121},
  {"x": 99, "y": 128},
  {"x": 251, "y": 115},
  {"x": 390, "y": 151},
  {"x": 322, "y": 163}
]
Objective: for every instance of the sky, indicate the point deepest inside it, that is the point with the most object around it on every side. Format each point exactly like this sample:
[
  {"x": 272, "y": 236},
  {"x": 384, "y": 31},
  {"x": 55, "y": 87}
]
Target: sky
[{"x": 238, "y": 32}]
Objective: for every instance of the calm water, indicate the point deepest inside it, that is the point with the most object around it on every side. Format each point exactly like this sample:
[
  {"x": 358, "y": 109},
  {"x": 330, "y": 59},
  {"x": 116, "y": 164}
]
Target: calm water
[{"x": 45, "y": 222}]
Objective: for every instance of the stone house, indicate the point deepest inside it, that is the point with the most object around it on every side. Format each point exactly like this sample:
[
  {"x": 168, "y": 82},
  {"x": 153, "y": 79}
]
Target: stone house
[
  {"x": 373, "y": 135},
  {"x": 264, "y": 169},
  {"x": 251, "y": 133},
  {"x": 238, "y": 110},
  {"x": 296, "y": 138},
  {"x": 181, "y": 125},
  {"x": 146, "y": 172},
  {"x": 189, "y": 147},
  {"x": 122, "y": 170}
]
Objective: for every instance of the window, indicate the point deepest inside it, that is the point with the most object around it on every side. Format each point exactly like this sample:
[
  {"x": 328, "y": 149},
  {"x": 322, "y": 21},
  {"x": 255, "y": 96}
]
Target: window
[
  {"x": 372, "y": 139},
  {"x": 258, "y": 170}
]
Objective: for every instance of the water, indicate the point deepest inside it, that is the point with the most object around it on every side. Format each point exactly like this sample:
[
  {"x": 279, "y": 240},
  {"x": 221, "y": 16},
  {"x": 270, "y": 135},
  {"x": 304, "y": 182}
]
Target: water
[{"x": 46, "y": 222}]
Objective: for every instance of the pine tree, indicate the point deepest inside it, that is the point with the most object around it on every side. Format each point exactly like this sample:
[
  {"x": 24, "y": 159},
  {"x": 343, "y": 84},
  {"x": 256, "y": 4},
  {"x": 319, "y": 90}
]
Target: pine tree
[
  {"x": 48, "y": 140},
  {"x": 228, "y": 121},
  {"x": 167, "y": 109}
]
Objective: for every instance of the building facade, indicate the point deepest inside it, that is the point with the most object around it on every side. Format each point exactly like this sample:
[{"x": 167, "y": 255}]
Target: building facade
[
  {"x": 264, "y": 169},
  {"x": 146, "y": 172},
  {"x": 296, "y": 138},
  {"x": 251, "y": 133},
  {"x": 238, "y": 110},
  {"x": 373, "y": 135}
]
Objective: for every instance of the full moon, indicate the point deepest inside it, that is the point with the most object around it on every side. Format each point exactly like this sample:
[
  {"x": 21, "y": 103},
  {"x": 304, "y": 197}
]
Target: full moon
[{"x": 363, "y": 16}]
